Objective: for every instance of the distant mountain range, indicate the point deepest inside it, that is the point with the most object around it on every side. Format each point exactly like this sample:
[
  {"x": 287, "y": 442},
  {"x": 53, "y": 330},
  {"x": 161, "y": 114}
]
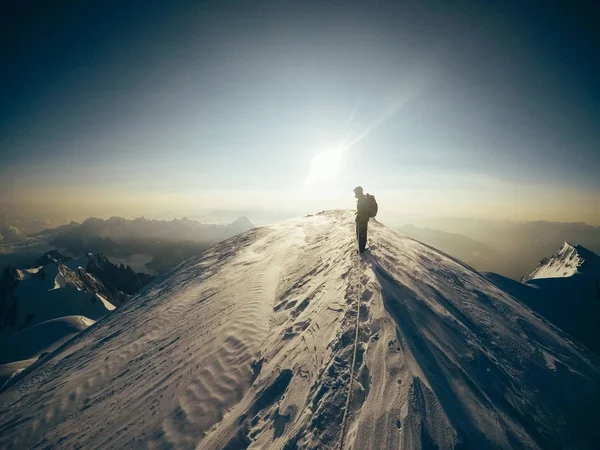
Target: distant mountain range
[
  {"x": 466, "y": 249},
  {"x": 151, "y": 246},
  {"x": 505, "y": 247},
  {"x": 119, "y": 228}
]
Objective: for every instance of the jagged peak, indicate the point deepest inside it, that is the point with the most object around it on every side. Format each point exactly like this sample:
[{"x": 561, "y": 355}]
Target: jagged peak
[
  {"x": 569, "y": 260},
  {"x": 52, "y": 256},
  {"x": 97, "y": 258},
  {"x": 242, "y": 221}
]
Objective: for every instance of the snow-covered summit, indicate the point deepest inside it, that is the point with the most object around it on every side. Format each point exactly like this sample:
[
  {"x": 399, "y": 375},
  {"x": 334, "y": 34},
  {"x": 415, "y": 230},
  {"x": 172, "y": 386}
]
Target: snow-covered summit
[
  {"x": 566, "y": 262},
  {"x": 251, "y": 345}
]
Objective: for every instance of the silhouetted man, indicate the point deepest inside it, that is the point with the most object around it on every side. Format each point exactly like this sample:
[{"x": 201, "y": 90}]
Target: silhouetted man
[{"x": 366, "y": 207}]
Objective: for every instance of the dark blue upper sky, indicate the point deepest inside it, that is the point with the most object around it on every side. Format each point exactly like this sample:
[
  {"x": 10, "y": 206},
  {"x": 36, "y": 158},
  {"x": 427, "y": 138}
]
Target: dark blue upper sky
[{"x": 211, "y": 95}]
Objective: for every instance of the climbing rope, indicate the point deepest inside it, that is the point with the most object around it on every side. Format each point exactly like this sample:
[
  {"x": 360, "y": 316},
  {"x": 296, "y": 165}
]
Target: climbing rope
[{"x": 349, "y": 396}]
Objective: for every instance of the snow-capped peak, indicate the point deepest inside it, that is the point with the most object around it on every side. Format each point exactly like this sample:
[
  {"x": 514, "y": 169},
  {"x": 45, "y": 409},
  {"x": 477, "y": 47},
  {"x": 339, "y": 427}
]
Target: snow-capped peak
[{"x": 567, "y": 261}]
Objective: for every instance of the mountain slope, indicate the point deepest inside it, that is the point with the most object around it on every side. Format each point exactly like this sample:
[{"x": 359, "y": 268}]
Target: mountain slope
[
  {"x": 565, "y": 289},
  {"x": 250, "y": 346},
  {"x": 466, "y": 249}
]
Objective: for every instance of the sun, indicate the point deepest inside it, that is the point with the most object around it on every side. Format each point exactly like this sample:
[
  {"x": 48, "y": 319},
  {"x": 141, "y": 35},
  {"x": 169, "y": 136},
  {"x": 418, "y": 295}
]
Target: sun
[{"x": 324, "y": 167}]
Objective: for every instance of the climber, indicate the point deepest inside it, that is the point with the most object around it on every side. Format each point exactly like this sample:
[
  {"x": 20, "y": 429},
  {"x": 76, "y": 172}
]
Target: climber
[{"x": 366, "y": 207}]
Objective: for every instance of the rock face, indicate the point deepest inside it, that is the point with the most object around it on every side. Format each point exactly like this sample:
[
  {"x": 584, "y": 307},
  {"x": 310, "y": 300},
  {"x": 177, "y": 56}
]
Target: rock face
[
  {"x": 8, "y": 306},
  {"x": 53, "y": 256},
  {"x": 257, "y": 343},
  {"x": 117, "y": 279}
]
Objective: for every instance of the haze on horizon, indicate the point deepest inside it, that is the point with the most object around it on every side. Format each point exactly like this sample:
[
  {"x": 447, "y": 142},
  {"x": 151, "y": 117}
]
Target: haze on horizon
[{"x": 470, "y": 110}]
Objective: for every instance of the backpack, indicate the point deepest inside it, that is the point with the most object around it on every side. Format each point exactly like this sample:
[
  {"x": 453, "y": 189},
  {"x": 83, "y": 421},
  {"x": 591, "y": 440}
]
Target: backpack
[{"x": 371, "y": 205}]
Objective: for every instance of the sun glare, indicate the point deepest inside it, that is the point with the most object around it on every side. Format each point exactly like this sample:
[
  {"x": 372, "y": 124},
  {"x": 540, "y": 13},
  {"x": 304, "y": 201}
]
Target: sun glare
[{"x": 324, "y": 167}]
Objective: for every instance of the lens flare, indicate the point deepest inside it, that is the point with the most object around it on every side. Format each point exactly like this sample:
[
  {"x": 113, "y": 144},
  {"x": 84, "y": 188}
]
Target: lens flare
[{"x": 324, "y": 167}]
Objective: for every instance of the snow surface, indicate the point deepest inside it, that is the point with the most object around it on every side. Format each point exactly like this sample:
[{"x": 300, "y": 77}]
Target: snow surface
[
  {"x": 43, "y": 337},
  {"x": 249, "y": 346},
  {"x": 8, "y": 371}
]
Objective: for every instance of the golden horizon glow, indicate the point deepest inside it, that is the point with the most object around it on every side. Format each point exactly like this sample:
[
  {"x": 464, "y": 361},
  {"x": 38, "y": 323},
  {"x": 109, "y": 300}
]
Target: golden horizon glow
[{"x": 486, "y": 199}]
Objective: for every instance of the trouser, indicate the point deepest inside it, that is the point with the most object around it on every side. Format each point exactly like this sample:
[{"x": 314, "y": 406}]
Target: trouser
[{"x": 361, "y": 234}]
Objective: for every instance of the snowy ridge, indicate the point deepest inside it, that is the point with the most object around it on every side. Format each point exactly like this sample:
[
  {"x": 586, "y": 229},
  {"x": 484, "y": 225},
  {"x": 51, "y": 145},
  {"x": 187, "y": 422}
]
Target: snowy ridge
[
  {"x": 566, "y": 262},
  {"x": 249, "y": 346}
]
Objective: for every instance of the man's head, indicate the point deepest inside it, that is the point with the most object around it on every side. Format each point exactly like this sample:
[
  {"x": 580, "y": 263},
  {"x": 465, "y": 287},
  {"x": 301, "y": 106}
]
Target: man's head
[{"x": 358, "y": 191}]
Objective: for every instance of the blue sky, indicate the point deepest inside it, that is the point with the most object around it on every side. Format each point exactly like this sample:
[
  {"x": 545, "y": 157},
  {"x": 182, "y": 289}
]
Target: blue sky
[{"x": 474, "y": 109}]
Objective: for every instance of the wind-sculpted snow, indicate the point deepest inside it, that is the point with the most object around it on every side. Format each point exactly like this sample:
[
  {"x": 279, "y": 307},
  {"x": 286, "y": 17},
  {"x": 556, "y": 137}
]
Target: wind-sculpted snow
[{"x": 249, "y": 345}]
